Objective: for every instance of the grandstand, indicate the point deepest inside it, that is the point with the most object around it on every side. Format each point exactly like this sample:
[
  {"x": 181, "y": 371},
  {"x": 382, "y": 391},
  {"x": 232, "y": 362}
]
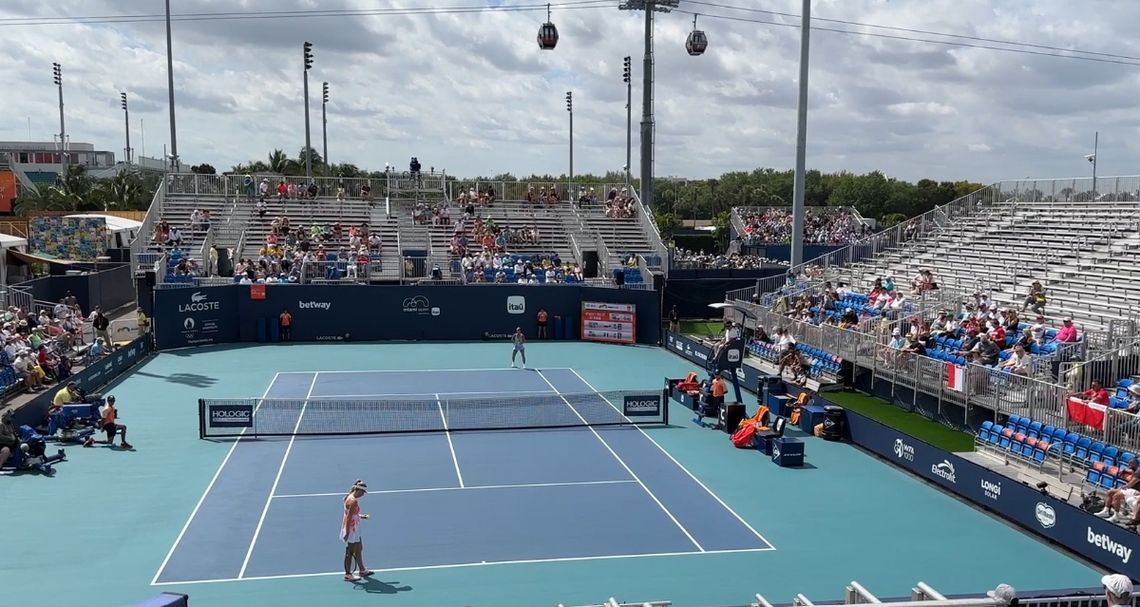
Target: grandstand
[{"x": 410, "y": 247}]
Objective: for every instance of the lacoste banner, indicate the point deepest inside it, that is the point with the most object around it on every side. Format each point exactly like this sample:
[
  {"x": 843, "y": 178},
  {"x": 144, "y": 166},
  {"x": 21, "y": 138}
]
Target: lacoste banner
[
  {"x": 196, "y": 317},
  {"x": 1100, "y": 541}
]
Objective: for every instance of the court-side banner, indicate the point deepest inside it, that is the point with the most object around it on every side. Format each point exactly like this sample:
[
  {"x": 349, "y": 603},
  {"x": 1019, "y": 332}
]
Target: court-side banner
[
  {"x": 609, "y": 322},
  {"x": 697, "y": 352},
  {"x": 1109, "y": 545},
  {"x": 223, "y": 314},
  {"x": 91, "y": 379},
  {"x": 230, "y": 416},
  {"x": 642, "y": 405}
]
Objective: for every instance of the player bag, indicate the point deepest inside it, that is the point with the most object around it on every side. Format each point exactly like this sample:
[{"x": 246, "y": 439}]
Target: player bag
[{"x": 744, "y": 437}]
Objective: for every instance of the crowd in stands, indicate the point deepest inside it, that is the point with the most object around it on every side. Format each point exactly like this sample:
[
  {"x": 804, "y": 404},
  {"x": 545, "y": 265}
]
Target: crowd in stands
[
  {"x": 620, "y": 205},
  {"x": 488, "y": 236},
  {"x": 830, "y": 227},
  {"x": 293, "y": 252},
  {"x": 490, "y": 266},
  {"x": 484, "y": 197},
  {"x": 40, "y": 349},
  {"x": 685, "y": 259},
  {"x": 979, "y": 331}
]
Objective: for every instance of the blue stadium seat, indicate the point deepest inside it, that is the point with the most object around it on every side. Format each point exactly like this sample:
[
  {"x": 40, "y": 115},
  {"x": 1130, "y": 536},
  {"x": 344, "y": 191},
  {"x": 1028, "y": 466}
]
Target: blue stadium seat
[
  {"x": 984, "y": 432},
  {"x": 1034, "y": 430}
]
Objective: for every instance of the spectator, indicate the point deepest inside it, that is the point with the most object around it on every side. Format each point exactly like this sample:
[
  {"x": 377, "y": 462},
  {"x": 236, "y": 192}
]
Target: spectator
[
  {"x": 1095, "y": 394},
  {"x": 1005, "y": 596},
  {"x": 1019, "y": 362},
  {"x": 1035, "y": 299},
  {"x": 1124, "y": 499},
  {"x": 1068, "y": 332},
  {"x": 100, "y": 323},
  {"x": 65, "y": 395},
  {"x": 826, "y": 226},
  {"x": 99, "y": 349},
  {"x": 1117, "y": 590}
]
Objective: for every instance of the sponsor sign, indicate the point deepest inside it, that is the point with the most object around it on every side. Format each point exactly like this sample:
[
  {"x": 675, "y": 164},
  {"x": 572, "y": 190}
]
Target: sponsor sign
[
  {"x": 1055, "y": 520},
  {"x": 642, "y": 405},
  {"x": 314, "y": 305},
  {"x": 417, "y": 304},
  {"x": 230, "y": 416},
  {"x": 516, "y": 304},
  {"x": 202, "y": 317},
  {"x": 609, "y": 322}
]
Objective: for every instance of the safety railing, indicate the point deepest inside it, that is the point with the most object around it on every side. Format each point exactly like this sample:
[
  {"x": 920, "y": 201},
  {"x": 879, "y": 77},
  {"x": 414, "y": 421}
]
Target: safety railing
[
  {"x": 143, "y": 236},
  {"x": 971, "y": 387},
  {"x": 659, "y": 259}
]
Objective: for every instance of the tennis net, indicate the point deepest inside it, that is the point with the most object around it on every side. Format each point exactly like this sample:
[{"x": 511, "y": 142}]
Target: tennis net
[{"x": 327, "y": 417}]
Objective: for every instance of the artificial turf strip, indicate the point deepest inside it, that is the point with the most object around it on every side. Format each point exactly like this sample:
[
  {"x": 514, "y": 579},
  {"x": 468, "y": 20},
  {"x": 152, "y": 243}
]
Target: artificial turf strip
[{"x": 904, "y": 421}]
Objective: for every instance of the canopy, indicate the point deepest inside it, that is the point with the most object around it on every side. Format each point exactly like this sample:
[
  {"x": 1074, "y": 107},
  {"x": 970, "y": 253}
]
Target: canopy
[
  {"x": 115, "y": 224},
  {"x": 8, "y": 241},
  {"x": 728, "y": 306},
  {"x": 30, "y": 258}
]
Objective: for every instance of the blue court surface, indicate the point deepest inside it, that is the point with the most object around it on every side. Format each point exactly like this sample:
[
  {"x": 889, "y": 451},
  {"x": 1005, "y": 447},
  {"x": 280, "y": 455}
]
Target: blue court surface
[
  {"x": 534, "y": 518},
  {"x": 449, "y": 499}
]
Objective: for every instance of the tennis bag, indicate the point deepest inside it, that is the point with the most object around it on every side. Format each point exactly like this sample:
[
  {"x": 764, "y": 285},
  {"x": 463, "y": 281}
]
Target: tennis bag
[{"x": 745, "y": 437}]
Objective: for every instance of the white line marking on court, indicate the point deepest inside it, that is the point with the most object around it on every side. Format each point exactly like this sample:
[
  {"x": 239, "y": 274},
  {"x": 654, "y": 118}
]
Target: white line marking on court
[
  {"x": 450, "y": 445},
  {"x": 568, "y": 559},
  {"x": 430, "y": 395},
  {"x": 627, "y": 481},
  {"x": 276, "y": 480},
  {"x": 626, "y": 466},
  {"x": 686, "y": 470},
  {"x": 217, "y": 473},
  {"x": 499, "y": 369}
]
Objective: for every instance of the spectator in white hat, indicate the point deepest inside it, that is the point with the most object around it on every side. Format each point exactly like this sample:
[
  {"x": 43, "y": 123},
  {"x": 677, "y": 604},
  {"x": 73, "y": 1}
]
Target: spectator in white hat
[
  {"x": 1117, "y": 590},
  {"x": 1004, "y": 594}
]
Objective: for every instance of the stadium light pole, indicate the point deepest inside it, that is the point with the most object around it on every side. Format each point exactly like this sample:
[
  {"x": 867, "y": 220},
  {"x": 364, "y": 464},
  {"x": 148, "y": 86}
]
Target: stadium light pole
[
  {"x": 325, "y": 127},
  {"x": 627, "y": 76},
  {"x": 647, "y": 125},
  {"x": 1092, "y": 158},
  {"x": 798, "y": 210},
  {"x": 570, "y": 176},
  {"x": 308, "y": 52},
  {"x": 57, "y": 78},
  {"x": 170, "y": 91},
  {"x": 127, "y": 124}
]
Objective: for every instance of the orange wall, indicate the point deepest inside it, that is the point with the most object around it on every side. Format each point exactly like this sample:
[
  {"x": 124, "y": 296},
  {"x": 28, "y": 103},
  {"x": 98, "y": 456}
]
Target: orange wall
[{"x": 7, "y": 190}]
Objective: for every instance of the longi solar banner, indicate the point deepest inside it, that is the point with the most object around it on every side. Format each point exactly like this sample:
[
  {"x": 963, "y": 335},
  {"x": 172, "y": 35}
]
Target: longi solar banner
[
  {"x": 642, "y": 405},
  {"x": 1100, "y": 541}
]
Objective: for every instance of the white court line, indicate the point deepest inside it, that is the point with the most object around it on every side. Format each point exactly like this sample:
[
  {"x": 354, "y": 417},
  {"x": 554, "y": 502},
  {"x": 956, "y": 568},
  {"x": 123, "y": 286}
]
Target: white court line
[
  {"x": 686, "y": 470},
  {"x": 217, "y": 473},
  {"x": 428, "y": 395},
  {"x": 499, "y": 369},
  {"x": 568, "y": 559},
  {"x": 276, "y": 480},
  {"x": 627, "y": 481},
  {"x": 626, "y": 466},
  {"x": 450, "y": 445}
]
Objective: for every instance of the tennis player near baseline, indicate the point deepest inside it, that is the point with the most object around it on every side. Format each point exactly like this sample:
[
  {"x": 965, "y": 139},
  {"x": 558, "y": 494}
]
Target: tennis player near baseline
[
  {"x": 350, "y": 533},
  {"x": 520, "y": 346}
]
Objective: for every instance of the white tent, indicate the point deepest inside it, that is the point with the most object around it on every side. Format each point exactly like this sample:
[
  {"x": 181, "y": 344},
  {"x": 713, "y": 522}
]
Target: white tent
[
  {"x": 121, "y": 231},
  {"x": 9, "y": 242}
]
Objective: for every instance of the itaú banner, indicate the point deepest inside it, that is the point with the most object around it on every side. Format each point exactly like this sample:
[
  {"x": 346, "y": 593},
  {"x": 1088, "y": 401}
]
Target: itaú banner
[{"x": 1113, "y": 547}]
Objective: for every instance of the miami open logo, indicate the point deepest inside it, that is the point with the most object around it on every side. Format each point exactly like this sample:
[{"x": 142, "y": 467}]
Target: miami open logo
[{"x": 419, "y": 305}]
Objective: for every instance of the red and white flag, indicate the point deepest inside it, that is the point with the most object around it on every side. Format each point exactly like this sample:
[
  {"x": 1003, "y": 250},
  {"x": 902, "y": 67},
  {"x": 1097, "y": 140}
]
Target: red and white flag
[
  {"x": 955, "y": 377},
  {"x": 1089, "y": 414}
]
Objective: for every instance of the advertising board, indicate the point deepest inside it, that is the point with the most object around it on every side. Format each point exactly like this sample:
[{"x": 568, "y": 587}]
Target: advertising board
[
  {"x": 1100, "y": 541},
  {"x": 609, "y": 322}
]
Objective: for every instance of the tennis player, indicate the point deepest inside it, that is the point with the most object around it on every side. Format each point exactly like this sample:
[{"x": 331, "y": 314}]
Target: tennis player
[
  {"x": 520, "y": 346},
  {"x": 350, "y": 533}
]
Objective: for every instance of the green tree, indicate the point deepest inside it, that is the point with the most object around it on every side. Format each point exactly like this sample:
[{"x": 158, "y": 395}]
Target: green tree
[
  {"x": 667, "y": 223},
  {"x": 204, "y": 169}
]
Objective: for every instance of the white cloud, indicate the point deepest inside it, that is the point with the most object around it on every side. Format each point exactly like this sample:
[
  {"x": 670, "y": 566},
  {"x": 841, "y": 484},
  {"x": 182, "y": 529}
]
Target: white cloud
[{"x": 472, "y": 93}]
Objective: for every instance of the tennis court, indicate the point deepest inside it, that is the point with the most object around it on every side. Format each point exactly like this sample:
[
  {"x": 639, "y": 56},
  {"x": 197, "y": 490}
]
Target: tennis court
[
  {"x": 447, "y": 498},
  {"x": 183, "y": 513}
]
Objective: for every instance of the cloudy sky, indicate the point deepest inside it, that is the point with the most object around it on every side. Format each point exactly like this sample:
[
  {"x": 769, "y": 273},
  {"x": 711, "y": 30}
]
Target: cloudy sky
[{"x": 472, "y": 93}]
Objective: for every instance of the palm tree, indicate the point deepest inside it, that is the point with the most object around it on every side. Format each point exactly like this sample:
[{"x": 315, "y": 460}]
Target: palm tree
[
  {"x": 279, "y": 163},
  {"x": 123, "y": 191},
  {"x": 41, "y": 198}
]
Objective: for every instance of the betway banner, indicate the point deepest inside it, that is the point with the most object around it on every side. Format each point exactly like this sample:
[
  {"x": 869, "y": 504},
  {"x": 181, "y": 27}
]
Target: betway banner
[
  {"x": 1109, "y": 545},
  {"x": 188, "y": 317}
]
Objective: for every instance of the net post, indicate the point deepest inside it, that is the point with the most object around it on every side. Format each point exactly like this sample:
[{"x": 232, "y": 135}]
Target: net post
[
  {"x": 201, "y": 418},
  {"x": 665, "y": 406}
]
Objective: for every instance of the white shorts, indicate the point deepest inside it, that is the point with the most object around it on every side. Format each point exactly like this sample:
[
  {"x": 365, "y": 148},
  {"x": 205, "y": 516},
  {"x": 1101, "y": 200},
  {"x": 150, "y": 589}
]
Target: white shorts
[
  {"x": 520, "y": 348},
  {"x": 353, "y": 537}
]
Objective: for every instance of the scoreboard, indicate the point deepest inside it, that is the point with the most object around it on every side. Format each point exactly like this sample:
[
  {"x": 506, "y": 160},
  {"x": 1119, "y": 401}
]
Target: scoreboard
[{"x": 609, "y": 322}]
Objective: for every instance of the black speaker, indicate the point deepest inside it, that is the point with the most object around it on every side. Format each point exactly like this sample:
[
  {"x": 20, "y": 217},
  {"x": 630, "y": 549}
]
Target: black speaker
[
  {"x": 590, "y": 264},
  {"x": 733, "y": 414},
  {"x": 144, "y": 288},
  {"x": 619, "y": 276}
]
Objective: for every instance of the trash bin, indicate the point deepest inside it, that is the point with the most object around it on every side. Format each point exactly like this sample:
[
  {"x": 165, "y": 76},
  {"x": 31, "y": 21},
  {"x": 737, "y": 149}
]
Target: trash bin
[{"x": 832, "y": 423}]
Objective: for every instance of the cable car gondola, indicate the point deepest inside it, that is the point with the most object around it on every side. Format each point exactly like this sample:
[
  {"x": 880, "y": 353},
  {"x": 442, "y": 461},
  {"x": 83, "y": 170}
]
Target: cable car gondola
[
  {"x": 547, "y": 34},
  {"x": 697, "y": 41}
]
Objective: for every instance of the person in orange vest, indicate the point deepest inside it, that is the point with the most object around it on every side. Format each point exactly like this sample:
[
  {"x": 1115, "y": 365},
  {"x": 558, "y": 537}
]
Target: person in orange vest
[
  {"x": 542, "y": 318},
  {"x": 286, "y": 323},
  {"x": 111, "y": 426},
  {"x": 716, "y": 393}
]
